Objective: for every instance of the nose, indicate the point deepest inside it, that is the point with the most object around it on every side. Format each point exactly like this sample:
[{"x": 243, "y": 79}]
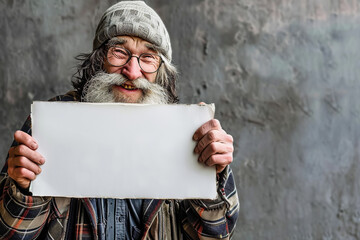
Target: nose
[{"x": 132, "y": 69}]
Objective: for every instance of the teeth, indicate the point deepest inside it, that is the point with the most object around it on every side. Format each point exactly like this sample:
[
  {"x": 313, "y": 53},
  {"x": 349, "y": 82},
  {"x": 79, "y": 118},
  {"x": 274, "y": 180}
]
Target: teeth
[{"x": 129, "y": 87}]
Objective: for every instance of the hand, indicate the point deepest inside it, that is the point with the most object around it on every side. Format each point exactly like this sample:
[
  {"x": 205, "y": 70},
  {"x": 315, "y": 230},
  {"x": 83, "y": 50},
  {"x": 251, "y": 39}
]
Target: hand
[
  {"x": 24, "y": 161},
  {"x": 214, "y": 145}
]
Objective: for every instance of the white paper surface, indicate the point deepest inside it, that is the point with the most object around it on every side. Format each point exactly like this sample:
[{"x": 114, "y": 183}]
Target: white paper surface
[{"x": 121, "y": 150}]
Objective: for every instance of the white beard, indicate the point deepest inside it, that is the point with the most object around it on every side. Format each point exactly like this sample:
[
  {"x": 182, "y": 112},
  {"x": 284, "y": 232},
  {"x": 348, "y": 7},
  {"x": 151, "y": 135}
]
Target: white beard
[{"x": 99, "y": 89}]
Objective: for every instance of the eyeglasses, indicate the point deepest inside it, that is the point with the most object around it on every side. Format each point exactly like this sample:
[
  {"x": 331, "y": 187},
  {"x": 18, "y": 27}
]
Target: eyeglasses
[{"x": 148, "y": 62}]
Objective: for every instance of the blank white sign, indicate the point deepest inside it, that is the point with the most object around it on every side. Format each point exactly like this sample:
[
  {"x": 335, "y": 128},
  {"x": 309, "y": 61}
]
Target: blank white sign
[{"x": 121, "y": 150}]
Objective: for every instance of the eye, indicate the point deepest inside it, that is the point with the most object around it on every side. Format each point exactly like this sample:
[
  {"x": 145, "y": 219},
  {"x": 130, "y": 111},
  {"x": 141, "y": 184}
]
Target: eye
[
  {"x": 119, "y": 52},
  {"x": 148, "y": 57}
]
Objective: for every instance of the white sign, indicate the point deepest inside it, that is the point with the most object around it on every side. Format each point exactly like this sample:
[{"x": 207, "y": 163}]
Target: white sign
[{"x": 120, "y": 150}]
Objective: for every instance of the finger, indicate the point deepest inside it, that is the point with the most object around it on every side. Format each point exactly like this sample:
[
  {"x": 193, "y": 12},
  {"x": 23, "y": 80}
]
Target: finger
[
  {"x": 201, "y": 104},
  {"x": 23, "y": 150},
  {"x": 215, "y": 148},
  {"x": 22, "y": 170},
  {"x": 23, "y": 177},
  {"x": 23, "y": 162},
  {"x": 20, "y": 173},
  {"x": 24, "y": 138},
  {"x": 212, "y": 124},
  {"x": 221, "y": 160},
  {"x": 212, "y": 136}
]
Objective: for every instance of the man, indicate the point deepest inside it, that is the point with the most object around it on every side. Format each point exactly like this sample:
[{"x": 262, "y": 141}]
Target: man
[{"x": 130, "y": 62}]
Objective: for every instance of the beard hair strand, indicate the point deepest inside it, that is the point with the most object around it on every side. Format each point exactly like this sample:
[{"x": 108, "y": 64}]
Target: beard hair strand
[{"x": 99, "y": 89}]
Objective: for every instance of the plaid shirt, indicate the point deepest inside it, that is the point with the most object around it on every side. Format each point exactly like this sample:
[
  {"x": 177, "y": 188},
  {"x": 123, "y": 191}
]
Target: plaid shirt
[{"x": 23, "y": 216}]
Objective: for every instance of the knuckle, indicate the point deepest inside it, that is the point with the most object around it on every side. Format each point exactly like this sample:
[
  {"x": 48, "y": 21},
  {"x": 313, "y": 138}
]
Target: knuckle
[
  {"x": 25, "y": 173},
  {"x": 21, "y": 149},
  {"x": 212, "y": 147},
  {"x": 211, "y": 135},
  {"x": 215, "y": 123},
  {"x": 22, "y": 160},
  {"x": 17, "y": 134},
  {"x": 21, "y": 171}
]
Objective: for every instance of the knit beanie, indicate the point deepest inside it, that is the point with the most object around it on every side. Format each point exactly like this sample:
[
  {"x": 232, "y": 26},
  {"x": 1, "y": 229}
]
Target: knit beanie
[{"x": 133, "y": 18}]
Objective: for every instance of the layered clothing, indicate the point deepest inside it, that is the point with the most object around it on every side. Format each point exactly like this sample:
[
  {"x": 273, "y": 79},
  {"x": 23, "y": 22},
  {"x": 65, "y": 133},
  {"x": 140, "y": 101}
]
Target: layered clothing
[{"x": 23, "y": 216}]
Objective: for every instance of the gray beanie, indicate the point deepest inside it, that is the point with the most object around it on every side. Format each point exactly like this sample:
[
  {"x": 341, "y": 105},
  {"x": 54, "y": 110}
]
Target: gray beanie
[{"x": 133, "y": 18}]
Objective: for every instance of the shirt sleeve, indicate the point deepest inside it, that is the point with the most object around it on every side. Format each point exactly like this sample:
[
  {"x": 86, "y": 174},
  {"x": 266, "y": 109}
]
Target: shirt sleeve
[
  {"x": 21, "y": 216},
  {"x": 212, "y": 219}
]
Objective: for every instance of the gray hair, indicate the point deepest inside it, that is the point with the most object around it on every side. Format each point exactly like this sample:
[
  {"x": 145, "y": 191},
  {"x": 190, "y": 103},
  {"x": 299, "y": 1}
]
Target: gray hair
[{"x": 92, "y": 63}]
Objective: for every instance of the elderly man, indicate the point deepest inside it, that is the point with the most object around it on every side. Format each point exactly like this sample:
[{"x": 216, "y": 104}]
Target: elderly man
[{"x": 130, "y": 62}]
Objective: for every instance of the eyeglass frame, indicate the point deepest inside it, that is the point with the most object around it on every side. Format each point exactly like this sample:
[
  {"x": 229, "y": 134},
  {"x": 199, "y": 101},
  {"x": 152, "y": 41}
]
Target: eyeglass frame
[{"x": 131, "y": 56}]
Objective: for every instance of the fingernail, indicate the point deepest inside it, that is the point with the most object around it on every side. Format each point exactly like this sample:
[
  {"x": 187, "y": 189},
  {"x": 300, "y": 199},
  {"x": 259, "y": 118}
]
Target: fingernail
[
  {"x": 195, "y": 137},
  {"x": 34, "y": 145},
  {"x": 41, "y": 161},
  {"x": 39, "y": 171},
  {"x": 196, "y": 150}
]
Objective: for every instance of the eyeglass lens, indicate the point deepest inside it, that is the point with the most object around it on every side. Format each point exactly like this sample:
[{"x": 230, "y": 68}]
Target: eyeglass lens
[{"x": 148, "y": 62}]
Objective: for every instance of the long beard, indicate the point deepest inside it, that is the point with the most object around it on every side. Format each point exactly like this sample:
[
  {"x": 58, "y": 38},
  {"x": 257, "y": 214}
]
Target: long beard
[{"x": 100, "y": 89}]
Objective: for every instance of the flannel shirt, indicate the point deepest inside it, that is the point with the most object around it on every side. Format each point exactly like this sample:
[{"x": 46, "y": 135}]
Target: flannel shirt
[{"x": 23, "y": 216}]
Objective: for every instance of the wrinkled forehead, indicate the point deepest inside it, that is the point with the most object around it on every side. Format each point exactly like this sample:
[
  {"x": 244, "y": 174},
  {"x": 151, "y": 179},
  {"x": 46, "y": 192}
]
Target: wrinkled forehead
[{"x": 134, "y": 42}]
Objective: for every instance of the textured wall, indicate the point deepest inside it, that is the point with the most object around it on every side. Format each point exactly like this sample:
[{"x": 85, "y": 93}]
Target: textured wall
[{"x": 283, "y": 75}]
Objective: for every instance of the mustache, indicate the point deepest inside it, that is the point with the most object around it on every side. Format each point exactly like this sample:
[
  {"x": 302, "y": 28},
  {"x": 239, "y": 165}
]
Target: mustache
[{"x": 99, "y": 89}]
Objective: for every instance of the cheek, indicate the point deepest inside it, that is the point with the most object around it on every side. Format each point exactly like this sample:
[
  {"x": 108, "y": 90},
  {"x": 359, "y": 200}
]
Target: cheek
[
  {"x": 151, "y": 77},
  {"x": 111, "y": 69}
]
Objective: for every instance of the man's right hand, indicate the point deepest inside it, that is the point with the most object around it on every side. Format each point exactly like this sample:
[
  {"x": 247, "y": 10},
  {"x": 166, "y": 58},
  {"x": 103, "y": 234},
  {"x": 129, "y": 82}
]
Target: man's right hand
[{"x": 24, "y": 161}]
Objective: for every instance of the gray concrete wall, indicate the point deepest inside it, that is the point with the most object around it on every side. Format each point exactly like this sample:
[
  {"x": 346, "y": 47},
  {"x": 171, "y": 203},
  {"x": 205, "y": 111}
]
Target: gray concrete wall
[{"x": 282, "y": 73}]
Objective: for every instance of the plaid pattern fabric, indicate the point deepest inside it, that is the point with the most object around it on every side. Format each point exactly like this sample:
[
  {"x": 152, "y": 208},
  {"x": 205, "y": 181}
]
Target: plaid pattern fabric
[{"x": 23, "y": 216}]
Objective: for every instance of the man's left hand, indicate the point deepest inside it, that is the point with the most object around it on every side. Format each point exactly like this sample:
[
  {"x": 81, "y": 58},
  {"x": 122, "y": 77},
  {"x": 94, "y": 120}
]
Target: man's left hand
[{"x": 214, "y": 145}]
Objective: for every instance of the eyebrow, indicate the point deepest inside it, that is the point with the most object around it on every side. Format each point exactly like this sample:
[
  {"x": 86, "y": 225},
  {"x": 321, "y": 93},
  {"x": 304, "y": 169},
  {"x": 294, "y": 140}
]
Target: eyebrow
[
  {"x": 119, "y": 41},
  {"x": 116, "y": 41},
  {"x": 151, "y": 47}
]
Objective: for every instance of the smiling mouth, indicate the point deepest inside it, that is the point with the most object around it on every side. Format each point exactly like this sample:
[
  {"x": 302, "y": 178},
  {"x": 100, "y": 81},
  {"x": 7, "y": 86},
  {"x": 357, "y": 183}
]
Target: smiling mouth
[{"x": 128, "y": 86}]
